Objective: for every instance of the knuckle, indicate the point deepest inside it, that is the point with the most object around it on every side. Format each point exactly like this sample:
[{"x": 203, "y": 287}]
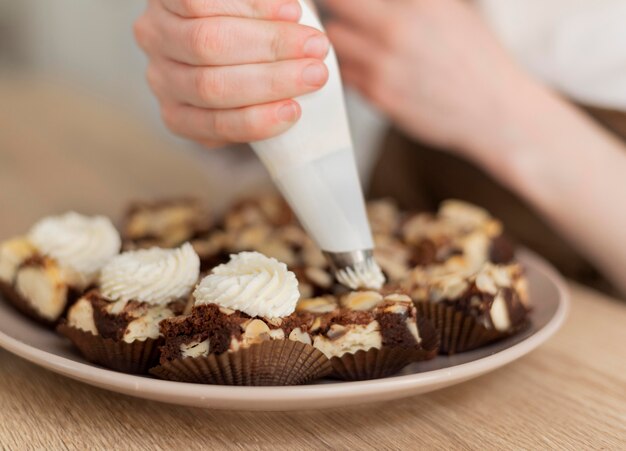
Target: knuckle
[
  {"x": 198, "y": 38},
  {"x": 276, "y": 43},
  {"x": 208, "y": 38},
  {"x": 210, "y": 85},
  {"x": 140, "y": 31}
]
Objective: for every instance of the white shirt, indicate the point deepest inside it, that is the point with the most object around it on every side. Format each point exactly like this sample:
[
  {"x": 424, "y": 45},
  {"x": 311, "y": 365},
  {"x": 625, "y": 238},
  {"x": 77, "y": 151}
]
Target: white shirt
[{"x": 576, "y": 46}]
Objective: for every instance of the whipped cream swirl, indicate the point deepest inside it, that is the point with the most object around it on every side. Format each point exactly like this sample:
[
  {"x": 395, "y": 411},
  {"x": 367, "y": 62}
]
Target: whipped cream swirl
[
  {"x": 156, "y": 276},
  {"x": 365, "y": 274},
  {"x": 81, "y": 243},
  {"x": 252, "y": 283}
]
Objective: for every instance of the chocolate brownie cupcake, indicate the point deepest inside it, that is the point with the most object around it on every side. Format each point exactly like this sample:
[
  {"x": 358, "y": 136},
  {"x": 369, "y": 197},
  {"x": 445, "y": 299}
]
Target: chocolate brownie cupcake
[
  {"x": 367, "y": 334},
  {"x": 42, "y": 273},
  {"x": 471, "y": 309},
  {"x": 166, "y": 223},
  {"x": 117, "y": 324},
  {"x": 242, "y": 329},
  {"x": 458, "y": 229}
]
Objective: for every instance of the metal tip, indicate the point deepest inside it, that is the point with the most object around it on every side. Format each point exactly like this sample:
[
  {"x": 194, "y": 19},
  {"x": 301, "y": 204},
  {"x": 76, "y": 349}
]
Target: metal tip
[{"x": 356, "y": 269}]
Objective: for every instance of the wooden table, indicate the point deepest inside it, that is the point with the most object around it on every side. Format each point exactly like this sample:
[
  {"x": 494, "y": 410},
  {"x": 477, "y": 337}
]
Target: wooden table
[{"x": 569, "y": 394}]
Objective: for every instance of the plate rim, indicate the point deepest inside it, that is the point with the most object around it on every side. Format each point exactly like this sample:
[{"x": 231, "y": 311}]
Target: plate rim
[{"x": 258, "y": 397}]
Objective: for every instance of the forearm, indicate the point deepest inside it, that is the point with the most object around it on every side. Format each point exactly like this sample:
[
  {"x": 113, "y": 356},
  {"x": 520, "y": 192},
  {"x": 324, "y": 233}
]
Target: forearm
[{"x": 567, "y": 167}]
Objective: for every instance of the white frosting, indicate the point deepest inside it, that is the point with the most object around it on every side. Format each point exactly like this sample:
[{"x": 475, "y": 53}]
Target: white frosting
[
  {"x": 156, "y": 276},
  {"x": 365, "y": 274},
  {"x": 252, "y": 283},
  {"x": 80, "y": 243}
]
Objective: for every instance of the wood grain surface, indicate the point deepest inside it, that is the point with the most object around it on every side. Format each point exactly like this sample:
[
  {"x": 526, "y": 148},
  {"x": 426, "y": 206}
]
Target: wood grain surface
[{"x": 59, "y": 149}]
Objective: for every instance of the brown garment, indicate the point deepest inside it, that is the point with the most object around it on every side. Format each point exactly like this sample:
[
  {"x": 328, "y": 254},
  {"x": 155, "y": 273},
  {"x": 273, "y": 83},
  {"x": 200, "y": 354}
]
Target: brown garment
[{"x": 420, "y": 177}]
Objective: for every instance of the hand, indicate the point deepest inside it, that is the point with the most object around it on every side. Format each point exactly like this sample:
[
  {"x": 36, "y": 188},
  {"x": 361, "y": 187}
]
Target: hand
[
  {"x": 435, "y": 69},
  {"x": 431, "y": 65},
  {"x": 226, "y": 71}
]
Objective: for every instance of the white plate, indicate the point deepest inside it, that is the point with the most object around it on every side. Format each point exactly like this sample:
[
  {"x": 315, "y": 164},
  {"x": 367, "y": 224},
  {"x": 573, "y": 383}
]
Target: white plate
[{"x": 548, "y": 294}]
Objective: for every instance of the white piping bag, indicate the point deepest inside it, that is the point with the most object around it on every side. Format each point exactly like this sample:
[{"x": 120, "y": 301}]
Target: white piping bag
[{"x": 313, "y": 166}]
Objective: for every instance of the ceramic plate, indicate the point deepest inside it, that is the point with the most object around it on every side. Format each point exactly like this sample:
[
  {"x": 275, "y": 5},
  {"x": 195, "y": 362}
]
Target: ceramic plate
[{"x": 548, "y": 295}]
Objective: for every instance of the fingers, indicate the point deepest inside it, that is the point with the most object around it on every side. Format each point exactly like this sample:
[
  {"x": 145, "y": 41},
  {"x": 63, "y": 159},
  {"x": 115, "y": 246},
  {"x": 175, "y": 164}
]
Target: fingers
[
  {"x": 227, "y": 40},
  {"x": 364, "y": 14},
  {"x": 240, "y": 125},
  {"x": 288, "y": 10},
  {"x": 235, "y": 86}
]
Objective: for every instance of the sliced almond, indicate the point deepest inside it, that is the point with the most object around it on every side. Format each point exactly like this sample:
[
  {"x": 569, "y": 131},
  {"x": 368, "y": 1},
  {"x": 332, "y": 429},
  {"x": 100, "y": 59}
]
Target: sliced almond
[
  {"x": 464, "y": 212},
  {"x": 362, "y": 300},
  {"x": 298, "y": 335},
  {"x": 398, "y": 297},
  {"x": 322, "y": 304},
  {"x": 317, "y": 323},
  {"x": 256, "y": 331},
  {"x": 486, "y": 284},
  {"x": 336, "y": 331}
]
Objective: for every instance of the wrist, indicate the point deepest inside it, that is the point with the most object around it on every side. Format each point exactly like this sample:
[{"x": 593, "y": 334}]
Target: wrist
[
  {"x": 544, "y": 148},
  {"x": 523, "y": 138}
]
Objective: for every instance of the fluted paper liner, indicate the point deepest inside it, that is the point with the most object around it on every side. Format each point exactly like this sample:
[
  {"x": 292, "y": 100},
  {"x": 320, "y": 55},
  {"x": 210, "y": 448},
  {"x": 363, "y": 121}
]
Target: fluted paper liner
[
  {"x": 459, "y": 332},
  {"x": 23, "y": 306},
  {"x": 136, "y": 357},
  {"x": 275, "y": 362},
  {"x": 384, "y": 362}
]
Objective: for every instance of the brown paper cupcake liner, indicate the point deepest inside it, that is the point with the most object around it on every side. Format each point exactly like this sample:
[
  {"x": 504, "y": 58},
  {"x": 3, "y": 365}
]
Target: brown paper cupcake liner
[
  {"x": 134, "y": 358},
  {"x": 23, "y": 306},
  {"x": 276, "y": 362},
  {"x": 459, "y": 332},
  {"x": 387, "y": 361}
]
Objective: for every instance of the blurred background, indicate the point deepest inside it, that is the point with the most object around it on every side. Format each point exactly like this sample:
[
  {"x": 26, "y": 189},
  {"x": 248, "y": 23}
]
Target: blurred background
[{"x": 80, "y": 128}]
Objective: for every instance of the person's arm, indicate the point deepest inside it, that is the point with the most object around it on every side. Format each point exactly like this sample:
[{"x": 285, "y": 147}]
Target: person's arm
[
  {"x": 570, "y": 169},
  {"x": 440, "y": 75}
]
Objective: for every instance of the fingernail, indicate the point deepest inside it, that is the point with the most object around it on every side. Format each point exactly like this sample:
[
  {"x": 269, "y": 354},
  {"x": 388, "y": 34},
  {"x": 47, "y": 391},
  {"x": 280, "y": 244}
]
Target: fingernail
[
  {"x": 290, "y": 11},
  {"x": 288, "y": 112},
  {"x": 316, "y": 46},
  {"x": 314, "y": 74}
]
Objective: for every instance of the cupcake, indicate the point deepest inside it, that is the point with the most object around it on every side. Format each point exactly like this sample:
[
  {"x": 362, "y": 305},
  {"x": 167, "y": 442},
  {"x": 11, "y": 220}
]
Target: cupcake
[
  {"x": 43, "y": 272},
  {"x": 165, "y": 223},
  {"x": 116, "y": 325},
  {"x": 369, "y": 335},
  {"x": 242, "y": 329},
  {"x": 471, "y": 309},
  {"x": 458, "y": 229}
]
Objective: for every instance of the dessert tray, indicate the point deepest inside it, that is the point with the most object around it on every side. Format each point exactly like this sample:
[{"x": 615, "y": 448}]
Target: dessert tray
[{"x": 548, "y": 295}]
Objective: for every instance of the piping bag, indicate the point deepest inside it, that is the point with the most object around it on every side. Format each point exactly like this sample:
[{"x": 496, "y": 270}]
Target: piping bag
[{"x": 313, "y": 166}]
